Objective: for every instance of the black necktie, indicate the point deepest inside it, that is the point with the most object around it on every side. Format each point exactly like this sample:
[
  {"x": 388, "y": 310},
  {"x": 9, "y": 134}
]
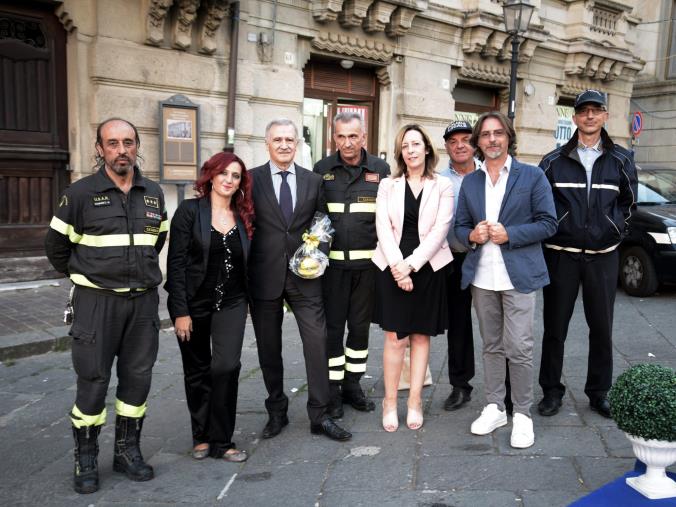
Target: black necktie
[{"x": 285, "y": 201}]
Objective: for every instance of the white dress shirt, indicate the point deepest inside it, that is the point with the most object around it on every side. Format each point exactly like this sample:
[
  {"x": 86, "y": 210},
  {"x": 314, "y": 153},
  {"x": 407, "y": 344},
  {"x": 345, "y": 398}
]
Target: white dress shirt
[
  {"x": 290, "y": 179},
  {"x": 491, "y": 273}
]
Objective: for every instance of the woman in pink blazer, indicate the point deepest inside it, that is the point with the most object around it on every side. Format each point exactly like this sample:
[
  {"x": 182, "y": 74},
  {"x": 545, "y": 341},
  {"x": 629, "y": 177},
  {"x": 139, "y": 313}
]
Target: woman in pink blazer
[{"x": 413, "y": 212}]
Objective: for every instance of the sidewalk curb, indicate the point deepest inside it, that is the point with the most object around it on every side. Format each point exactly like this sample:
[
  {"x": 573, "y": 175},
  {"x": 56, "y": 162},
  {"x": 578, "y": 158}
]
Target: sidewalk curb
[{"x": 33, "y": 343}]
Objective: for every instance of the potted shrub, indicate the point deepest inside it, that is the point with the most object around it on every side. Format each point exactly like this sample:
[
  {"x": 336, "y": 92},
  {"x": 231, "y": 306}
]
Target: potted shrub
[{"x": 643, "y": 404}]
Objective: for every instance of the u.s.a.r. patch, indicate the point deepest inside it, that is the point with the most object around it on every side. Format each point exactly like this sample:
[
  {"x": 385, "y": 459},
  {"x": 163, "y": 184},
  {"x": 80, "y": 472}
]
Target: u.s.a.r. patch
[{"x": 101, "y": 200}]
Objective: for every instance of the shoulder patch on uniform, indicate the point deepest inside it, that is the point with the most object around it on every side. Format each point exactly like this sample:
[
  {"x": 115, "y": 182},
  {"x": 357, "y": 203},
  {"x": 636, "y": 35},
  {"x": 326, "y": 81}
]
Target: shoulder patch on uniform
[
  {"x": 101, "y": 200},
  {"x": 149, "y": 229},
  {"x": 329, "y": 176},
  {"x": 63, "y": 201},
  {"x": 372, "y": 177},
  {"x": 151, "y": 202}
]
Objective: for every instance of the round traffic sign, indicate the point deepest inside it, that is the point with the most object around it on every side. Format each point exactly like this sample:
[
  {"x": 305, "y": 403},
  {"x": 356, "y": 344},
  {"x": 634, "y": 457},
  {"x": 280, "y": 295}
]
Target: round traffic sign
[{"x": 637, "y": 123}]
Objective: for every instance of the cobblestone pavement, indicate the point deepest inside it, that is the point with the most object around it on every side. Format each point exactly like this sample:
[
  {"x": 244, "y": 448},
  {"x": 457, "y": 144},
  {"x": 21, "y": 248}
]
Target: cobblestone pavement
[{"x": 575, "y": 452}]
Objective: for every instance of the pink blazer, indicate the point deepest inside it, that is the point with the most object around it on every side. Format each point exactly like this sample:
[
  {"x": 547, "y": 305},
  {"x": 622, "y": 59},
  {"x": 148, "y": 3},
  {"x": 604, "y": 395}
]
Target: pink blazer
[{"x": 436, "y": 209}]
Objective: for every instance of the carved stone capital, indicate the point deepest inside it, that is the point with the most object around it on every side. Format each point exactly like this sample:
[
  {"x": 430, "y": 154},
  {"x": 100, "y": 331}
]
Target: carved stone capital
[
  {"x": 185, "y": 17},
  {"x": 216, "y": 11},
  {"x": 400, "y": 21},
  {"x": 350, "y": 45},
  {"x": 354, "y": 12},
  {"x": 326, "y": 10},
  {"x": 378, "y": 16},
  {"x": 157, "y": 15},
  {"x": 489, "y": 72}
]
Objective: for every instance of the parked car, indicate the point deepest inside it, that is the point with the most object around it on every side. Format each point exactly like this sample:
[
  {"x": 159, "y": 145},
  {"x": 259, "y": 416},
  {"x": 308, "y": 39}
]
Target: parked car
[{"x": 648, "y": 253}]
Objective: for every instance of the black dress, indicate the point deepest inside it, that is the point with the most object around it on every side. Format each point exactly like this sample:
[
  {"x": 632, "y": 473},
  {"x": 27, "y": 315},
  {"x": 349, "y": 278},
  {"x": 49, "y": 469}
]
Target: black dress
[{"x": 423, "y": 310}]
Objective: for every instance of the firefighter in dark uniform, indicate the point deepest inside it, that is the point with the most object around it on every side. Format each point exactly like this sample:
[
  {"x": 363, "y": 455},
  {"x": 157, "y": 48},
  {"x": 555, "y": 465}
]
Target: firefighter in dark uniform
[
  {"x": 351, "y": 178},
  {"x": 106, "y": 236}
]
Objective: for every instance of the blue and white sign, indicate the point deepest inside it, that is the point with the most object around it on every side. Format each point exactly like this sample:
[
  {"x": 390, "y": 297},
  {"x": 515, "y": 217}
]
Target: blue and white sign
[{"x": 637, "y": 124}]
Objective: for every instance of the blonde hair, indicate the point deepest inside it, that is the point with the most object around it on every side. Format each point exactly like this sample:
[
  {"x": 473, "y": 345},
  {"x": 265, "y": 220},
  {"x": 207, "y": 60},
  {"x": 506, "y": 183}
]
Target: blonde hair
[{"x": 431, "y": 156}]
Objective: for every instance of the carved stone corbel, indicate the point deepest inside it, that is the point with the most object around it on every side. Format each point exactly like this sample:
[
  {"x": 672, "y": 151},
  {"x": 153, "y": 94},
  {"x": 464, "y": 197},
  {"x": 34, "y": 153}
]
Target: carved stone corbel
[
  {"x": 593, "y": 66},
  {"x": 400, "y": 21},
  {"x": 474, "y": 38},
  {"x": 615, "y": 71},
  {"x": 576, "y": 63},
  {"x": 354, "y": 12},
  {"x": 495, "y": 45},
  {"x": 216, "y": 11},
  {"x": 527, "y": 50},
  {"x": 326, "y": 10},
  {"x": 157, "y": 14},
  {"x": 604, "y": 68},
  {"x": 378, "y": 16},
  {"x": 185, "y": 17},
  {"x": 383, "y": 76}
]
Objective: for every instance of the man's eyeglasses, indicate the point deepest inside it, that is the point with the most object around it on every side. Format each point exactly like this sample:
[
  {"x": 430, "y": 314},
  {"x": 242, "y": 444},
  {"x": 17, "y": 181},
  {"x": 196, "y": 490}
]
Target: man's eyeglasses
[
  {"x": 585, "y": 111},
  {"x": 486, "y": 134}
]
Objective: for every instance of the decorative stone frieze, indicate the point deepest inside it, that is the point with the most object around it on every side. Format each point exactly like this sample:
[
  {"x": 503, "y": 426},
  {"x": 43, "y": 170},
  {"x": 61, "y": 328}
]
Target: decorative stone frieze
[
  {"x": 350, "y": 45},
  {"x": 182, "y": 28},
  {"x": 488, "y": 72},
  {"x": 216, "y": 11},
  {"x": 157, "y": 14}
]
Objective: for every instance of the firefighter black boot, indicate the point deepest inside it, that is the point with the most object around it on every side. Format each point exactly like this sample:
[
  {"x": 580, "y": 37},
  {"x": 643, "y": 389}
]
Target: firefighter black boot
[
  {"x": 128, "y": 458},
  {"x": 86, "y": 472},
  {"x": 335, "y": 408}
]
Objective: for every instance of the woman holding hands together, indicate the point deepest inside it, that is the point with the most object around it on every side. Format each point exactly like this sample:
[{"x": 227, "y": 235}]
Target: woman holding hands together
[{"x": 413, "y": 212}]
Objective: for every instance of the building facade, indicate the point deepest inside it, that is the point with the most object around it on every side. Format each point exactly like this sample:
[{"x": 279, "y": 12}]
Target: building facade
[{"x": 394, "y": 61}]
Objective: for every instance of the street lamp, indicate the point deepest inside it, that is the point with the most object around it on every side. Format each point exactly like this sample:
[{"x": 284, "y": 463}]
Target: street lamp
[{"x": 517, "y": 15}]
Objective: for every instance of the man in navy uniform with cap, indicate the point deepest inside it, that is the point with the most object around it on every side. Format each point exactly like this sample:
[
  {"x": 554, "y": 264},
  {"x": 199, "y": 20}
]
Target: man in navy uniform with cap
[{"x": 594, "y": 184}]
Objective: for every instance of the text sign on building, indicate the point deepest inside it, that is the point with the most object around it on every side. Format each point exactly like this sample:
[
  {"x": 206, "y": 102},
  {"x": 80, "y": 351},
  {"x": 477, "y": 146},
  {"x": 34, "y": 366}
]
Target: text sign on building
[
  {"x": 179, "y": 143},
  {"x": 637, "y": 123},
  {"x": 564, "y": 125}
]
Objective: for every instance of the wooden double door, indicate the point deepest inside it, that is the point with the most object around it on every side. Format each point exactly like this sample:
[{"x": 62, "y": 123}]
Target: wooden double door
[{"x": 33, "y": 123}]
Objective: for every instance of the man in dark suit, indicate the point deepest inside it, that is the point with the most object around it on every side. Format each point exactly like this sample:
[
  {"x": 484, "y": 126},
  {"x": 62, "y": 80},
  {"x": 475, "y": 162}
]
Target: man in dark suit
[{"x": 286, "y": 198}]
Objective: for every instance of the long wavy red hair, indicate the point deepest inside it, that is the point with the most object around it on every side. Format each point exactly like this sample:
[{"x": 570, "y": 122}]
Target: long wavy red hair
[{"x": 242, "y": 202}]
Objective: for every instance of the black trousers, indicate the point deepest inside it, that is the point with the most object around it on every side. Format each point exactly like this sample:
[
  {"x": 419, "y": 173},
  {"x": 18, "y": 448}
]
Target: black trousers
[
  {"x": 211, "y": 365},
  {"x": 267, "y": 317},
  {"x": 460, "y": 336},
  {"x": 598, "y": 275},
  {"x": 106, "y": 326},
  {"x": 348, "y": 297}
]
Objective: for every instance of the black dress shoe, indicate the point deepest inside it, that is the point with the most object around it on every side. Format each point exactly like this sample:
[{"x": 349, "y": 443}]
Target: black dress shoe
[
  {"x": 549, "y": 405},
  {"x": 458, "y": 397},
  {"x": 358, "y": 400},
  {"x": 601, "y": 406},
  {"x": 275, "y": 425},
  {"x": 330, "y": 429}
]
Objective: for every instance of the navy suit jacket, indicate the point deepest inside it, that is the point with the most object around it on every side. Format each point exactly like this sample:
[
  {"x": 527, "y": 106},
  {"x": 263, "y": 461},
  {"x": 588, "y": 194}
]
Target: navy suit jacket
[{"x": 527, "y": 213}]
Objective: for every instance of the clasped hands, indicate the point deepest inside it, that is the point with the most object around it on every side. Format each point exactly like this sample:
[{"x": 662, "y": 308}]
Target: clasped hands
[
  {"x": 485, "y": 231},
  {"x": 401, "y": 272}
]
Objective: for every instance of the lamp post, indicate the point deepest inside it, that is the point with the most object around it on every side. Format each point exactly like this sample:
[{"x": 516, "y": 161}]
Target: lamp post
[{"x": 517, "y": 15}]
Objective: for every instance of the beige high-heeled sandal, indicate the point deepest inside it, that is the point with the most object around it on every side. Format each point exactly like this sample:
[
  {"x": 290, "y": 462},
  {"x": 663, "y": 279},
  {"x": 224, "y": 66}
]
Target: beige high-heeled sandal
[
  {"x": 414, "y": 417},
  {"x": 390, "y": 419}
]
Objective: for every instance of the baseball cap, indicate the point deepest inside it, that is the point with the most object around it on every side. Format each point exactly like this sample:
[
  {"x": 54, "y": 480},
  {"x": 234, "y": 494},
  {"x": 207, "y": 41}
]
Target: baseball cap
[
  {"x": 590, "y": 97},
  {"x": 457, "y": 126}
]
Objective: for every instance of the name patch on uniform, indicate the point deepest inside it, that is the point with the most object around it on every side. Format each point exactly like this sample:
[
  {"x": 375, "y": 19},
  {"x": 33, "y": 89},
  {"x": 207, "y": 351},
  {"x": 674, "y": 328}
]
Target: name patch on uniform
[
  {"x": 156, "y": 216},
  {"x": 329, "y": 177},
  {"x": 101, "y": 200},
  {"x": 149, "y": 229},
  {"x": 366, "y": 198},
  {"x": 151, "y": 202},
  {"x": 372, "y": 177}
]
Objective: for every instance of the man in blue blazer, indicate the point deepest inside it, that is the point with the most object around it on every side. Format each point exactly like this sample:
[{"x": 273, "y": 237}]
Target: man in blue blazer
[{"x": 505, "y": 210}]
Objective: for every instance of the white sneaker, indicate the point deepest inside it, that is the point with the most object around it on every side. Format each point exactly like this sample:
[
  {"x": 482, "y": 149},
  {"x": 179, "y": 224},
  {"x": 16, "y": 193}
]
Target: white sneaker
[
  {"x": 522, "y": 431},
  {"x": 490, "y": 419}
]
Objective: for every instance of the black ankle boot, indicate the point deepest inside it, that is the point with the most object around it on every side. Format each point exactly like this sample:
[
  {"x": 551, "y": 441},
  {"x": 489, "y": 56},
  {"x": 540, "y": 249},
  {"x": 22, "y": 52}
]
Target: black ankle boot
[
  {"x": 128, "y": 458},
  {"x": 86, "y": 471}
]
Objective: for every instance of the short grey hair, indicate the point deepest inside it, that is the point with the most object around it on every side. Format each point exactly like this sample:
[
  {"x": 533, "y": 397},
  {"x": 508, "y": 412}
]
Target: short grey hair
[
  {"x": 283, "y": 122},
  {"x": 347, "y": 117}
]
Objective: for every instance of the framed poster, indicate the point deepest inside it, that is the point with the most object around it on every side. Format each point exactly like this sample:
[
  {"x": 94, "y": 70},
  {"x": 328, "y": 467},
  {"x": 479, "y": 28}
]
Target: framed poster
[{"x": 179, "y": 143}]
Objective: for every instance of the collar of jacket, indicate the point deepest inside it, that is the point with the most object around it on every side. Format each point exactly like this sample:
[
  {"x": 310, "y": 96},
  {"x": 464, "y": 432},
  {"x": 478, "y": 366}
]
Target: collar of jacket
[
  {"x": 363, "y": 162},
  {"x": 571, "y": 145},
  {"x": 103, "y": 181}
]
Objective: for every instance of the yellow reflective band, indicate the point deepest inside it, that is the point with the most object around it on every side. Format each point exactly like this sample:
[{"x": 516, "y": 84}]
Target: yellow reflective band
[
  {"x": 335, "y": 207},
  {"x": 164, "y": 226},
  {"x": 145, "y": 239},
  {"x": 356, "y": 354},
  {"x": 105, "y": 240},
  {"x": 121, "y": 408},
  {"x": 336, "y": 375},
  {"x": 363, "y": 207},
  {"x": 360, "y": 254},
  {"x": 82, "y": 280},
  {"x": 80, "y": 420},
  {"x": 66, "y": 229},
  {"x": 356, "y": 368},
  {"x": 336, "y": 361},
  {"x": 337, "y": 255}
]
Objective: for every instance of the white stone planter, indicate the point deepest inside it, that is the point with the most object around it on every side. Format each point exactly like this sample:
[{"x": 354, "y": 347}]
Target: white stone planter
[{"x": 657, "y": 455}]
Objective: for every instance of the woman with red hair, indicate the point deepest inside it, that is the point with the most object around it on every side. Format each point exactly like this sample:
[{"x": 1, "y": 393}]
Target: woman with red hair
[{"x": 207, "y": 286}]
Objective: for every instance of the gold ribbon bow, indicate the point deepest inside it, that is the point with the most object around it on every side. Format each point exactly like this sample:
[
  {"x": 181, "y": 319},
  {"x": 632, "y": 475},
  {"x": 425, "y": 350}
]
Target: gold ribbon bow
[{"x": 310, "y": 240}]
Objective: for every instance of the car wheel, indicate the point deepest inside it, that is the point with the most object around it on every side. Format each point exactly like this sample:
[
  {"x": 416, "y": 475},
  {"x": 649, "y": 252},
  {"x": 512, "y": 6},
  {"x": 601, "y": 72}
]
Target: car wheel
[{"x": 637, "y": 272}]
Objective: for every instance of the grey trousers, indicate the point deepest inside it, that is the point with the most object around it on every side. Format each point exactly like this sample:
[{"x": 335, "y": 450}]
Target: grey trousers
[{"x": 506, "y": 325}]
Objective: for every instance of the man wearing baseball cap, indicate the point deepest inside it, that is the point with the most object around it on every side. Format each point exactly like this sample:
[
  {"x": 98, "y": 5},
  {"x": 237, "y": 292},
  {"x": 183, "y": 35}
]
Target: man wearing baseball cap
[
  {"x": 594, "y": 184},
  {"x": 460, "y": 339}
]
